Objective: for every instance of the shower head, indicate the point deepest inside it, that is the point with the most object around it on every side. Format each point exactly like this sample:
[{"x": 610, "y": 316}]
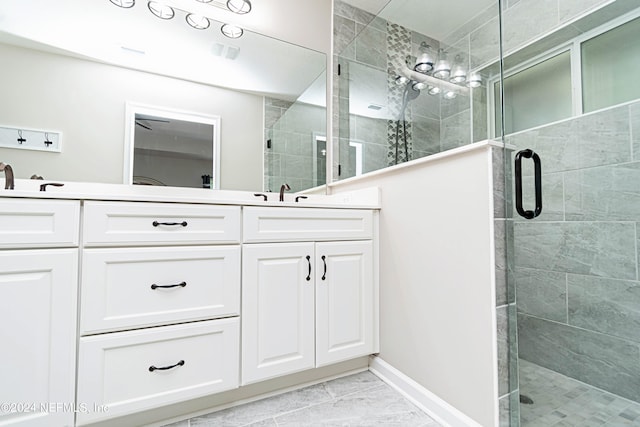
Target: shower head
[{"x": 412, "y": 93}]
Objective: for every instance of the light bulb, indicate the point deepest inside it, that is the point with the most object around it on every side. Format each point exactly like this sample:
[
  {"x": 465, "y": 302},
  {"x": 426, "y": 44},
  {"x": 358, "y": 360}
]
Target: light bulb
[
  {"x": 442, "y": 68},
  {"x": 418, "y": 85},
  {"x": 424, "y": 61},
  {"x": 161, "y": 10},
  {"x": 124, "y": 3},
  {"x": 198, "y": 22},
  {"x": 450, "y": 94},
  {"x": 475, "y": 80},
  {"x": 401, "y": 80},
  {"x": 434, "y": 90},
  {"x": 239, "y": 6},
  {"x": 231, "y": 31}
]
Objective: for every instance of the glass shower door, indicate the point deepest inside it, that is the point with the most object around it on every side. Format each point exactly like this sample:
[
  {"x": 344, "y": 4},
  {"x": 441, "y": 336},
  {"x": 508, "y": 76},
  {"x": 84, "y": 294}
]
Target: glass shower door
[{"x": 573, "y": 227}]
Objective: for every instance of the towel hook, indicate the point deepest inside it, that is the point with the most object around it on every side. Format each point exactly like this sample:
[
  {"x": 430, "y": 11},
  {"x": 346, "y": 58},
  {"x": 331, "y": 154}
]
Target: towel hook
[{"x": 20, "y": 138}]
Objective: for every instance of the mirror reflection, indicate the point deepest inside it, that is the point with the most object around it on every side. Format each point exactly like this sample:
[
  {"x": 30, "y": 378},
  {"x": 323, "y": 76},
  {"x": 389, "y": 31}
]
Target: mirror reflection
[
  {"x": 259, "y": 87},
  {"x": 171, "y": 148}
]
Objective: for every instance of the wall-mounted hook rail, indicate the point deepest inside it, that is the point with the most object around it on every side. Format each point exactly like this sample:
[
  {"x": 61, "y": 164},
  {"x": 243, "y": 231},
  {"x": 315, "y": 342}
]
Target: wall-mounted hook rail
[{"x": 30, "y": 139}]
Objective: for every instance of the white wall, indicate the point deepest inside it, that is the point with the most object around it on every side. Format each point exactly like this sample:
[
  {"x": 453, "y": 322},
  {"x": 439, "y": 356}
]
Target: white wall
[
  {"x": 86, "y": 101},
  {"x": 437, "y": 300}
]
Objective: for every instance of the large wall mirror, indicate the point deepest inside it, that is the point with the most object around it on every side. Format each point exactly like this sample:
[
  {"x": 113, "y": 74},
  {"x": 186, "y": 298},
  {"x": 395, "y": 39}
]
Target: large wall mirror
[{"x": 74, "y": 66}]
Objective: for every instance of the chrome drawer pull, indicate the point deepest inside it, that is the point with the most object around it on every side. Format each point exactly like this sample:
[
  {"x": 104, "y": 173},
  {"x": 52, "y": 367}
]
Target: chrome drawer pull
[
  {"x": 164, "y": 368},
  {"x": 181, "y": 284},
  {"x": 156, "y": 223}
]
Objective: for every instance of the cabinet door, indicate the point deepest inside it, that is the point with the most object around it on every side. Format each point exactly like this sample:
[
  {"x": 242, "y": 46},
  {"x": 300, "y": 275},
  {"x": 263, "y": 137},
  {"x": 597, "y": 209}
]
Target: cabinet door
[
  {"x": 38, "y": 291},
  {"x": 277, "y": 310},
  {"x": 344, "y": 301}
]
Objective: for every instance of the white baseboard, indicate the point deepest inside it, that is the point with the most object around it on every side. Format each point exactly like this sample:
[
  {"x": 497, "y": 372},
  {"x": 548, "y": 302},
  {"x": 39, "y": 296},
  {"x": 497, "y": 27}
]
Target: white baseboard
[{"x": 431, "y": 404}]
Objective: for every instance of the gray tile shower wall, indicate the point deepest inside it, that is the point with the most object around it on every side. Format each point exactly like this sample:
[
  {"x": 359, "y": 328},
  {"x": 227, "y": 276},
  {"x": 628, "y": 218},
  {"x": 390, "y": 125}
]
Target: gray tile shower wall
[
  {"x": 366, "y": 48},
  {"x": 290, "y": 158},
  {"x": 576, "y": 266},
  {"x": 523, "y": 22}
]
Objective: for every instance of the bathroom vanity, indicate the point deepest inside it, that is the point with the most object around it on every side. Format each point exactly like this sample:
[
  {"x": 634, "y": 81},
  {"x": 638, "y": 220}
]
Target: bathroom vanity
[{"x": 115, "y": 302}]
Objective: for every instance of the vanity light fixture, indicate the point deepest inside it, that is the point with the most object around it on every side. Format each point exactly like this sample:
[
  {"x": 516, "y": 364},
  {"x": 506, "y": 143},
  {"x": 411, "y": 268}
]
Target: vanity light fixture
[
  {"x": 198, "y": 22},
  {"x": 126, "y": 4},
  {"x": 231, "y": 31},
  {"x": 239, "y": 6},
  {"x": 161, "y": 10},
  {"x": 439, "y": 78}
]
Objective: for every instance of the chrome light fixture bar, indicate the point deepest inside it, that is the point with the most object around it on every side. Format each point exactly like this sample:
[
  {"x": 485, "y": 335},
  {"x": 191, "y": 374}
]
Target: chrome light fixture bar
[
  {"x": 197, "y": 21},
  {"x": 439, "y": 77}
]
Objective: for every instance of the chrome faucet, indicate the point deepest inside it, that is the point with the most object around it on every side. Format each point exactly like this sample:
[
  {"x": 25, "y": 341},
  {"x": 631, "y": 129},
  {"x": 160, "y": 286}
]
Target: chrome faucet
[
  {"x": 283, "y": 188},
  {"x": 8, "y": 176}
]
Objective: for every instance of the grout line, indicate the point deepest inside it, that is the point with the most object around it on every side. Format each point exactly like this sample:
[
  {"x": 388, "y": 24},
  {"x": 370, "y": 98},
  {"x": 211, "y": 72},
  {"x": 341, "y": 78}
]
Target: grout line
[
  {"x": 630, "y": 117},
  {"x": 566, "y": 296}
]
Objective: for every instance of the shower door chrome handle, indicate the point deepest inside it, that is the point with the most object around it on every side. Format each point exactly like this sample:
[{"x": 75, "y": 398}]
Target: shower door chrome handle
[{"x": 529, "y": 154}]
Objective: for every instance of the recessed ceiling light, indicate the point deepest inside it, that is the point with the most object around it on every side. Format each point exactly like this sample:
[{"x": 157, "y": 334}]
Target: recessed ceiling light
[
  {"x": 231, "y": 31},
  {"x": 161, "y": 10},
  {"x": 124, "y": 3},
  {"x": 239, "y": 6},
  {"x": 198, "y": 22}
]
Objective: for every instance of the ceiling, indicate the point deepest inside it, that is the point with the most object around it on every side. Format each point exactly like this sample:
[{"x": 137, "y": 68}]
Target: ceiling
[{"x": 134, "y": 38}]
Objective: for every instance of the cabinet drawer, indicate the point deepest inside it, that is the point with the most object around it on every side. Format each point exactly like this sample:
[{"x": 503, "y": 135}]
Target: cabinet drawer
[
  {"x": 125, "y": 288},
  {"x": 137, "y": 224},
  {"x": 300, "y": 224},
  {"x": 119, "y": 371},
  {"x": 27, "y": 223}
]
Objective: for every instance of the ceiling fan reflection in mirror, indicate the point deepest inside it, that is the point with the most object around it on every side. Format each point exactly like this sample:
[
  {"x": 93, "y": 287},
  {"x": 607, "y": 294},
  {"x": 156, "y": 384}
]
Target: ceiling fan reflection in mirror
[{"x": 143, "y": 121}]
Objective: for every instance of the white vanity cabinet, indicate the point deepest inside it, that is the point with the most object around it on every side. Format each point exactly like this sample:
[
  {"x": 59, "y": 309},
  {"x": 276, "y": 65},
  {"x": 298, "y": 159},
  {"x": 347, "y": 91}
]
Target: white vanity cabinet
[
  {"x": 38, "y": 303},
  {"x": 160, "y": 305},
  {"x": 111, "y": 308},
  {"x": 306, "y": 303}
]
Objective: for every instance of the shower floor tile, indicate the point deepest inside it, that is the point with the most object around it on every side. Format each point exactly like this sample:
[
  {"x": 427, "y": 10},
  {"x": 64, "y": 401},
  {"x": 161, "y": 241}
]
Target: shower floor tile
[{"x": 562, "y": 401}]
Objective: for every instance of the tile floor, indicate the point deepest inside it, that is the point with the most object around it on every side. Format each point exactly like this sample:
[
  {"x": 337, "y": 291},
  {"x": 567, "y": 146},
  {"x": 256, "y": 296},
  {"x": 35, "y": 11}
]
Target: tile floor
[
  {"x": 563, "y": 401},
  {"x": 356, "y": 400}
]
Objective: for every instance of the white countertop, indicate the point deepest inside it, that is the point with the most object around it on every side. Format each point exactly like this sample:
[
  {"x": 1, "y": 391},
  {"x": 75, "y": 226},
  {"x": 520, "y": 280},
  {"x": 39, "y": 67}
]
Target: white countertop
[{"x": 27, "y": 188}]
